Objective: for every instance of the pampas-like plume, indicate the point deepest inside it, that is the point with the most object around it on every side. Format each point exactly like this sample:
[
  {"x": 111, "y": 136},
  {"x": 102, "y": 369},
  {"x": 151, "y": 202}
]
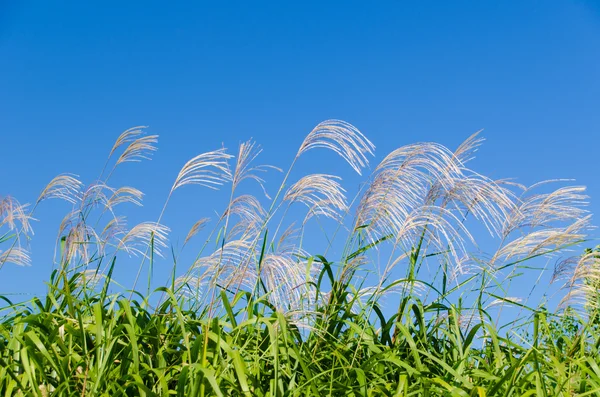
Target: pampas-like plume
[
  {"x": 138, "y": 150},
  {"x": 539, "y": 210},
  {"x": 490, "y": 202},
  {"x": 248, "y": 152},
  {"x": 546, "y": 241},
  {"x": 209, "y": 169},
  {"x": 199, "y": 225},
  {"x": 80, "y": 240},
  {"x": 125, "y": 194},
  {"x": 144, "y": 235},
  {"x": 344, "y": 139},
  {"x": 284, "y": 275},
  {"x": 431, "y": 159},
  {"x": 464, "y": 153},
  {"x": 581, "y": 277},
  {"x": 15, "y": 255},
  {"x": 93, "y": 196},
  {"x": 65, "y": 187},
  {"x": 423, "y": 192},
  {"x": 223, "y": 268},
  {"x": 251, "y": 215},
  {"x": 321, "y": 193},
  {"x": 126, "y": 137},
  {"x": 11, "y": 212},
  {"x": 115, "y": 227},
  {"x": 232, "y": 268}
]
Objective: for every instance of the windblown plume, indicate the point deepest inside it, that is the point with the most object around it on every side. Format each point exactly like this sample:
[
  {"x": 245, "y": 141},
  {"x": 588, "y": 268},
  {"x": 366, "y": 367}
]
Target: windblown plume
[
  {"x": 488, "y": 201},
  {"x": 284, "y": 277},
  {"x": 11, "y": 212},
  {"x": 15, "y": 255},
  {"x": 251, "y": 215},
  {"x": 209, "y": 169},
  {"x": 80, "y": 241},
  {"x": 464, "y": 153},
  {"x": 126, "y": 137},
  {"x": 114, "y": 228},
  {"x": 581, "y": 279},
  {"x": 65, "y": 187},
  {"x": 94, "y": 195},
  {"x": 144, "y": 235},
  {"x": 540, "y": 210},
  {"x": 248, "y": 152},
  {"x": 125, "y": 194},
  {"x": 321, "y": 193},
  {"x": 425, "y": 161},
  {"x": 287, "y": 238},
  {"x": 199, "y": 225},
  {"x": 344, "y": 139},
  {"x": 225, "y": 267},
  {"x": 423, "y": 193},
  {"x": 550, "y": 240},
  {"x": 232, "y": 268},
  {"x": 138, "y": 150}
]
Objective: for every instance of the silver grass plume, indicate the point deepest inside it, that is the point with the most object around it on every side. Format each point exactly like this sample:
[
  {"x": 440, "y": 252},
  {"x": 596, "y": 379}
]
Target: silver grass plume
[
  {"x": 209, "y": 169},
  {"x": 125, "y": 194},
  {"x": 546, "y": 241},
  {"x": 287, "y": 280},
  {"x": 250, "y": 213},
  {"x": 220, "y": 269},
  {"x": 126, "y": 137},
  {"x": 580, "y": 277},
  {"x": 142, "y": 236},
  {"x": 344, "y": 139},
  {"x": 321, "y": 193},
  {"x": 539, "y": 210},
  {"x": 232, "y": 268},
  {"x": 138, "y": 150},
  {"x": 113, "y": 229},
  {"x": 65, "y": 187},
  {"x": 16, "y": 256},
  {"x": 248, "y": 152},
  {"x": 12, "y": 212},
  {"x": 80, "y": 240},
  {"x": 195, "y": 229},
  {"x": 424, "y": 191}
]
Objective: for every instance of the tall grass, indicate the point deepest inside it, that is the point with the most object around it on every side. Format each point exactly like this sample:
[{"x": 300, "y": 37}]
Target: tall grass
[{"x": 413, "y": 303}]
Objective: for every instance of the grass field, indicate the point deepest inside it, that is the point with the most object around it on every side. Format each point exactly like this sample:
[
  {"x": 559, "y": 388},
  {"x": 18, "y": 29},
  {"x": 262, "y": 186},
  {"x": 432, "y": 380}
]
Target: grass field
[{"x": 411, "y": 305}]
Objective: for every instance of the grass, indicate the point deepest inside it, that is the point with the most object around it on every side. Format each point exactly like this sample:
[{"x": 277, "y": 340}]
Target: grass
[{"x": 411, "y": 306}]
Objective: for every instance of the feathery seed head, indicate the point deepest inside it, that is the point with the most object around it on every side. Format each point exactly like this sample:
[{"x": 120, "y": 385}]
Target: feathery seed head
[
  {"x": 321, "y": 193},
  {"x": 65, "y": 187},
  {"x": 209, "y": 169},
  {"x": 15, "y": 255},
  {"x": 11, "y": 212},
  {"x": 344, "y": 139},
  {"x": 126, "y": 137},
  {"x": 199, "y": 225},
  {"x": 144, "y": 235},
  {"x": 139, "y": 149}
]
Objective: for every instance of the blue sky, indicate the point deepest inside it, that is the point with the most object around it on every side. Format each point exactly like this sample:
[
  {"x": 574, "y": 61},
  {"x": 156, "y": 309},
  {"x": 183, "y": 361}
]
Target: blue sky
[{"x": 203, "y": 74}]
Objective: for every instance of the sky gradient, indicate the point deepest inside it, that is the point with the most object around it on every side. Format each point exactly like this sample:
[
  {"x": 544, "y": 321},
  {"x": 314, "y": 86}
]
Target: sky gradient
[{"x": 207, "y": 74}]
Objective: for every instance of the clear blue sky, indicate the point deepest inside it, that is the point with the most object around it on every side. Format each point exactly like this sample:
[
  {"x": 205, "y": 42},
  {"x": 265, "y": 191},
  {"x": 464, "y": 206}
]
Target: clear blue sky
[{"x": 75, "y": 74}]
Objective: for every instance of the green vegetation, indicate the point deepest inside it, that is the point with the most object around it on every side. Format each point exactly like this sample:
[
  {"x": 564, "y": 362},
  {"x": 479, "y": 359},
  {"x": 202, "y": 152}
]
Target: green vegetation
[{"x": 412, "y": 305}]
